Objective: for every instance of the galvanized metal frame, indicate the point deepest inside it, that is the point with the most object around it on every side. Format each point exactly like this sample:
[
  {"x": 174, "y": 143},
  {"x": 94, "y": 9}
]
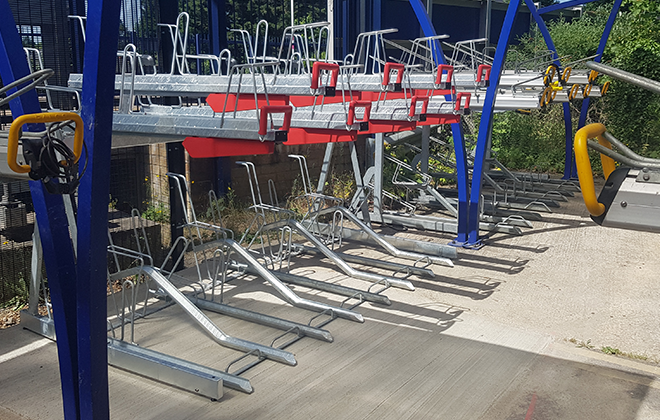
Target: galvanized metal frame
[
  {"x": 79, "y": 307},
  {"x": 457, "y": 131},
  {"x": 485, "y": 128}
]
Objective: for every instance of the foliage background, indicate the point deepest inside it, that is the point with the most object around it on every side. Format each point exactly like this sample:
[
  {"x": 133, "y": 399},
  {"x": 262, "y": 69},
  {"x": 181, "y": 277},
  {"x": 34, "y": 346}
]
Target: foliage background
[{"x": 537, "y": 140}]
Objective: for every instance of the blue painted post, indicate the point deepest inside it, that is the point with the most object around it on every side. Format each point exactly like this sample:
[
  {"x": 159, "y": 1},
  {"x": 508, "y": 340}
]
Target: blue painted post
[
  {"x": 345, "y": 33},
  {"x": 427, "y": 27},
  {"x": 217, "y": 25},
  {"x": 93, "y": 198},
  {"x": 376, "y": 14},
  {"x": 601, "y": 49},
  {"x": 457, "y": 133},
  {"x": 569, "y": 159},
  {"x": 564, "y": 5},
  {"x": 77, "y": 8},
  {"x": 52, "y": 222},
  {"x": 485, "y": 126},
  {"x": 463, "y": 184},
  {"x": 568, "y": 123}
]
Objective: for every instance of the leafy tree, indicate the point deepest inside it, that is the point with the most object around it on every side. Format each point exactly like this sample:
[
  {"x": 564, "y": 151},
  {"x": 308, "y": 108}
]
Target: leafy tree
[{"x": 629, "y": 112}]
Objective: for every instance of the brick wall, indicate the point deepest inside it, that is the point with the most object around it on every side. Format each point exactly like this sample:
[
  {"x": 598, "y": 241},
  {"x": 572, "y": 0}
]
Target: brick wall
[{"x": 283, "y": 170}]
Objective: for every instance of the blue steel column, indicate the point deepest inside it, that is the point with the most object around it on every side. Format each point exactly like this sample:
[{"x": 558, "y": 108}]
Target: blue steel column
[
  {"x": 76, "y": 8},
  {"x": 376, "y": 15},
  {"x": 569, "y": 165},
  {"x": 564, "y": 5},
  {"x": 52, "y": 222},
  {"x": 344, "y": 28},
  {"x": 457, "y": 134},
  {"x": 93, "y": 196},
  {"x": 217, "y": 25},
  {"x": 601, "y": 49},
  {"x": 485, "y": 126},
  {"x": 568, "y": 123}
]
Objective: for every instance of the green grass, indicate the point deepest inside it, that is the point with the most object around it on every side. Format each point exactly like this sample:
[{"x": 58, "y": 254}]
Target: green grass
[{"x": 613, "y": 351}]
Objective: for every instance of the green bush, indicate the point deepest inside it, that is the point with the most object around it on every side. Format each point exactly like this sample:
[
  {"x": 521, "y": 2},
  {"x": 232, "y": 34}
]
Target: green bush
[{"x": 537, "y": 141}]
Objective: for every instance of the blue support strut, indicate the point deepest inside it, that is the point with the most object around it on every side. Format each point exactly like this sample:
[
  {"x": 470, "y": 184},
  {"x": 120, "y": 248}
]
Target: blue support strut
[
  {"x": 77, "y": 288},
  {"x": 568, "y": 122},
  {"x": 564, "y": 5},
  {"x": 52, "y": 222},
  {"x": 456, "y": 129},
  {"x": 93, "y": 197},
  {"x": 599, "y": 57},
  {"x": 485, "y": 126}
]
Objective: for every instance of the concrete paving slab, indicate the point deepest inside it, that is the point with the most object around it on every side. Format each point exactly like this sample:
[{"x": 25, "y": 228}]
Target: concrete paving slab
[{"x": 487, "y": 339}]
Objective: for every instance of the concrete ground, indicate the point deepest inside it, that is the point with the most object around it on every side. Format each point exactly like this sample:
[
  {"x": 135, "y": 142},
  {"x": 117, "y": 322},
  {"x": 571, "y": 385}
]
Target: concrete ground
[{"x": 514, "y": 331}]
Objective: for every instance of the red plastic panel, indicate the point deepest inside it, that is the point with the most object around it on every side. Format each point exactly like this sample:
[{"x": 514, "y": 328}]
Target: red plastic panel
[
  {"x": 389, "y": 126},
  {"x": 298, "y": 136},
  {"x": 245, "y": 101},
  {"x": 436, "y": 119},
  {"x": 206, "y": 147}
]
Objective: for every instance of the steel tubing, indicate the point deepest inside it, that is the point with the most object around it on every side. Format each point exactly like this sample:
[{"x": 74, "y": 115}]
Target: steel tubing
[
  {"x": 350, "y": 271},
  {"x": 286, "y": 293},
  {"x": 391, "y": 249},
  {"x": 215, "y": 332},
  {"x": 634, "y": 79},
  {"x": 387, "y": 265},
  {"x": 327, "y": 287},
  {"x": 262, "y": 319}
]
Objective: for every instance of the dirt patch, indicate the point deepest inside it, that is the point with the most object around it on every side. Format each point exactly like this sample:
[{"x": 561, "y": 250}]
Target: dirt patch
[{"x": 10, "y": 316}]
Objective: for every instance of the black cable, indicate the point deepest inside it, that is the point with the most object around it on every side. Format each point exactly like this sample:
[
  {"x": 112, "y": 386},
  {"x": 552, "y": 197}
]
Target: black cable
[{"x": 53, "y": 162}]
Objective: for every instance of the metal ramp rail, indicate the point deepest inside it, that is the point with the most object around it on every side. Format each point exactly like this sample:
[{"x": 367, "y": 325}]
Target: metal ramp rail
[
  {"x": 221, "y": 243},
  {"x": 525, "y": 196},
  {"x": 315, "y": 211},
  {"x": 293, "y": 225}
]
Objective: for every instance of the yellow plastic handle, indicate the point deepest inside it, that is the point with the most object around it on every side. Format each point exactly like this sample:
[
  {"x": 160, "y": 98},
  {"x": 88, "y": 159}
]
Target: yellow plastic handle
[
  {"x": 566, "y": 75},
  {"x": 549, "y": 75},
  {"x": 44, "y": 117},
  {"x": 549, "y": 95},
  {"x": 605, "y": 88},
  {"x": 573, "y": 92},
  {"x": 583, "y": 164}
]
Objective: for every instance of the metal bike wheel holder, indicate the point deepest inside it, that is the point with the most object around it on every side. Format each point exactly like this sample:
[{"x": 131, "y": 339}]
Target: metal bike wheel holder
[
  {"x": 324, "y": 286},
  {"x": 284, "y": 292},
  {"x": 145, "y": 362},
  {"x": 332, "y": 256},
  {"x": 314, "y": 213}
]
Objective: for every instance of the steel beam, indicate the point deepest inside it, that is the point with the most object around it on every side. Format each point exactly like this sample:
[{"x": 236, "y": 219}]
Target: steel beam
[
  {"x": 102, "y": 33},
  {"x": 486, "y": 124},
  {"x": 564, "y": 5},
  {"x": 183, "y": 374},
  {"x": 51, "y": 219},
  {"x": 599, "y": 56}
]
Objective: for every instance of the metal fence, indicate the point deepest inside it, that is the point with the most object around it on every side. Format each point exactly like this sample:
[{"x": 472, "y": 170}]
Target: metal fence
[{"x": 137, "y": 178}]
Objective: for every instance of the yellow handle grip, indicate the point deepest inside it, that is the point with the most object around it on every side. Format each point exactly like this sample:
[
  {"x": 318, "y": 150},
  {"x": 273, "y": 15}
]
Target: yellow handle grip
[
  {"x": 549, "y": 75},
  {"x": 583, "y": 164},
  {"x": 605, "y": 88},
  {"x": 44, "y": 117}
]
